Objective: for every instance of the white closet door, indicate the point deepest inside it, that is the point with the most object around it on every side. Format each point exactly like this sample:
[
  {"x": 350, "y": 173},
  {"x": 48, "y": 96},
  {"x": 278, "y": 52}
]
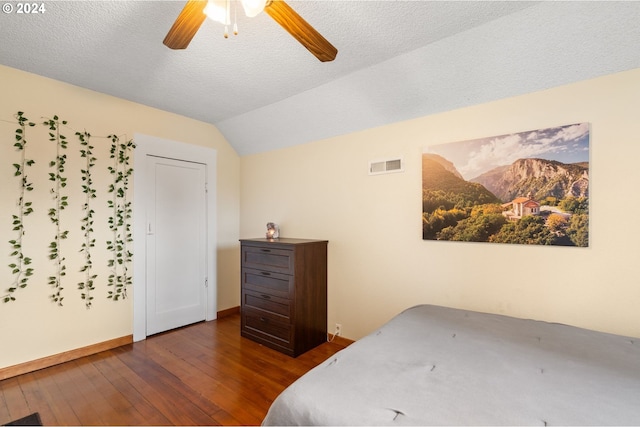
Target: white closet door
[{"x": 176, "y": 244}]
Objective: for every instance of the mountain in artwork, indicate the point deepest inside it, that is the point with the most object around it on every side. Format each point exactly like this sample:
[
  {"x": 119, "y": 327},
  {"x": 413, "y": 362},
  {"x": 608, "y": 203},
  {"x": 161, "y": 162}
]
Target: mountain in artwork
[
  {"x": 443, "y": 186},
  {"x": 539, "y": 177}
]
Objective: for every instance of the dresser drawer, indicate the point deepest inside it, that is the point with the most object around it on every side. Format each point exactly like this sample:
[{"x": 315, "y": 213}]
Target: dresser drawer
[
  {"x": 269, "y": 259},
  {"x": 266, "y": 325},
  {"x": 266, "y": 302},
  {"x": 266, "y": 282}
]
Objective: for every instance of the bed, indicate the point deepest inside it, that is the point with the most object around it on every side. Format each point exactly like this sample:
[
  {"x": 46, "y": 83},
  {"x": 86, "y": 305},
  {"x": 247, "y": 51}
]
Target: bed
[{"x": 433, "y": 365}]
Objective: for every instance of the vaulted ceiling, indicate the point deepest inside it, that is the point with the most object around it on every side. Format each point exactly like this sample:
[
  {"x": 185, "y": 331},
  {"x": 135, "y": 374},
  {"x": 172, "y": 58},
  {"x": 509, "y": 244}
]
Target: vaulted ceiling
[{"x": 396, "y": 59}]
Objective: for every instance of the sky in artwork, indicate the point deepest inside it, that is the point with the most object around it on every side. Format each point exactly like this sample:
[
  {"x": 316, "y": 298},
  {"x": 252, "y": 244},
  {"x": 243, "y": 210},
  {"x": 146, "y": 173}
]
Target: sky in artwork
[{"x": 566, "y": 144}]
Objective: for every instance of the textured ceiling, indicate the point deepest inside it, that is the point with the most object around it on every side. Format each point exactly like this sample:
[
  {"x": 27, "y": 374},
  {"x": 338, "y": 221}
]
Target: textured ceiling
[{"x": 264, "y": 91}]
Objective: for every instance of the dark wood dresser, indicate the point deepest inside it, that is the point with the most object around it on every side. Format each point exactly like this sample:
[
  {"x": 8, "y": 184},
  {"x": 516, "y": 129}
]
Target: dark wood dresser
[{"x": 284, "y": 293}]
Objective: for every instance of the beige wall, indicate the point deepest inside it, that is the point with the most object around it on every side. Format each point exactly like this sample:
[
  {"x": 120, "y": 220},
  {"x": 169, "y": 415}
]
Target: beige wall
[
  {"x": 32, "y": 327},
  {"x": 378, "y": 262}
]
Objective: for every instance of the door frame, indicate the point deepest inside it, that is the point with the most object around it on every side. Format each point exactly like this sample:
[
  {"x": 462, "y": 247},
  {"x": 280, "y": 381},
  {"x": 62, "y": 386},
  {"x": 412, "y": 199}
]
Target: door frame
[{"x": 147, "y": 145}]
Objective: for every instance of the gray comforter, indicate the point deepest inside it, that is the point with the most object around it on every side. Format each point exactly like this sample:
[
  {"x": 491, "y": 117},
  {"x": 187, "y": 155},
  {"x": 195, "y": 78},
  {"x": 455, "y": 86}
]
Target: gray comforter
[{"x": 433, "y": 365}]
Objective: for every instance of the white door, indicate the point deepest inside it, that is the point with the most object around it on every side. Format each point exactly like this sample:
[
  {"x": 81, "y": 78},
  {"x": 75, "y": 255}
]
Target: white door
[{"x": 175, "y": 243}]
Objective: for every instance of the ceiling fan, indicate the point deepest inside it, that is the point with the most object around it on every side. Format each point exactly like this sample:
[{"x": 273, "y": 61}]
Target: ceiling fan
[{"x": 193, "y": 15}]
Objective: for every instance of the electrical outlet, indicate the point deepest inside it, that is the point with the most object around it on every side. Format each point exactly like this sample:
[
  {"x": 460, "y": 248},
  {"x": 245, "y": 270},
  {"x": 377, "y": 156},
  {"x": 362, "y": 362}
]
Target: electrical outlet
[{"x": 338, "y": 330}]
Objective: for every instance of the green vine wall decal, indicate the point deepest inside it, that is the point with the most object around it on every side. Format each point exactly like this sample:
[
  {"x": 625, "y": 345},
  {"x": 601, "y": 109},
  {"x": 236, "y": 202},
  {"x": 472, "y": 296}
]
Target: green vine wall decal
[
  {"x": 119, "y": 222},
  {"x": 60, "y": 203},
  {"x": 66, "y": 188},
  {"x": 20, "y": 266},
  {"x": 88, "y": 286}
]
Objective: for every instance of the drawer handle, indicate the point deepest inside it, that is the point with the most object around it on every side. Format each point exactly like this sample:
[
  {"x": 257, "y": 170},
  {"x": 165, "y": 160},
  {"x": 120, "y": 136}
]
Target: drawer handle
[
  {"x": 264, "y": 320},
  {"x": 266, "y": 296},
  {"x": 265, "y": 273},
  {"x": 265, "y": 250}
]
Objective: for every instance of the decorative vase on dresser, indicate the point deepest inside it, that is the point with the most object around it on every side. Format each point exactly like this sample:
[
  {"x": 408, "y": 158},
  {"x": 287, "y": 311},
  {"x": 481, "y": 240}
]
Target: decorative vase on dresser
[{"x": 284, "y": 293}]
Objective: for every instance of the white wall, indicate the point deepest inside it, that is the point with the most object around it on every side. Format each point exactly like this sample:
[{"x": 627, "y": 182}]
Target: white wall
[
  {"x": 32, "y": 327},
  {"x": 378, "y": 262}
]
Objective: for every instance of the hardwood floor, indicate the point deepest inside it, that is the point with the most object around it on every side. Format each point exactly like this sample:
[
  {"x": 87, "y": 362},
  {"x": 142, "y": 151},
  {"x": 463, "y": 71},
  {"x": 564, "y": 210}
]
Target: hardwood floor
[{"x": 203, "y": 374}]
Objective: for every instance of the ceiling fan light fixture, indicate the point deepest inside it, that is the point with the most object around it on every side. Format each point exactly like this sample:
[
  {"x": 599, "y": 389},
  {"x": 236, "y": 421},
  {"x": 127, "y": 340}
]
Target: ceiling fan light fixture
[
  {"x": 219, "y": 11},
  {"x": 253, "y": 7},
  {"x": 191, "y": 18}
]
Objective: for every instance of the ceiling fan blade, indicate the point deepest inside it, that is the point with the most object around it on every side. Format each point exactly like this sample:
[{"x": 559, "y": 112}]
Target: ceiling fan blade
[
  {"x": 300, "y": 29},
  {"x": 186, "y": 25}
]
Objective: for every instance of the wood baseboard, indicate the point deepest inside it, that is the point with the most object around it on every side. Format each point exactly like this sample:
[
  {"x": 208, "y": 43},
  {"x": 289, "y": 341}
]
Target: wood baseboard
[
  {"x": 340, "y": 340},
  {"x": 228, "y": 312},
  {"x": 236, "y": 310},
  {"x": 45, "y": 362}
]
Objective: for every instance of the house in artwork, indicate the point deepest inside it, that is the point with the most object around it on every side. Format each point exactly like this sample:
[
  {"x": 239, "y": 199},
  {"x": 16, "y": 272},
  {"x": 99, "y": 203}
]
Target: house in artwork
[{"x": 521, "y": 206}]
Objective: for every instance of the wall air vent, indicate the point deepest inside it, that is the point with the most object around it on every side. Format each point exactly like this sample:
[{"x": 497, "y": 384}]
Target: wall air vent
[{"x": 386, "y": 166}]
